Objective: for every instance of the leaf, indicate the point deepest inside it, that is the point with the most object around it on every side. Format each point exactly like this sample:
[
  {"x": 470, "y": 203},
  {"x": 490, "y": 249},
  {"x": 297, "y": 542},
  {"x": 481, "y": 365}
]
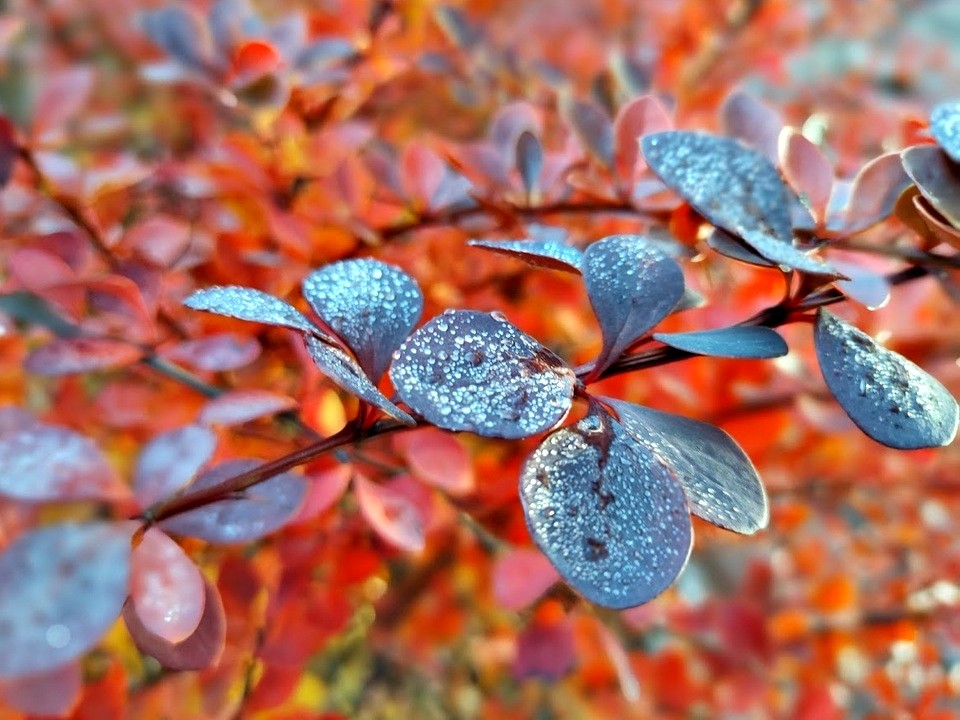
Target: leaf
[
  {"x": 251, "y": 514},
  {"x": 237, "y": 407},
  {"x": 72, "y": 356},
  {"x": 509, "y": 123},
  {"x": 337, "y": 365},
  {"x": 63, "y": 587},
  {"x": 865, "y": 286},
  {"x": 935, "y": 227},
  {"x": 391, "y": 514},
  {"x": 180, "y": 32},
  {"x": 61, "y": 96},
  {"x": 520, "y": 576},
  {"x": 324, "y": 490},
  {"x": 422, "y": 172},
  {"x": 807, "y": 170},
  {"x": 610, "y": 517},
  {"x": 170, "y": 461},
  {"x": 46, "y": 462},
  {"x": 166, "y": 587},
  {"x": 945, "y": 127},
  {"x": 737, "y": 341},
  {"x": 594, "y": 129},
  {"x": 643, "y": 116},
  {"x": 747, "y": 119},
  {"x": 545, "y": 650},
  {"x": 438, "y": 459},
  {"x": 215, "y": 353},
  {"x": 467, "y": 370},
  {"x": 892, "y": 400},
  {"x": 874, "y": 192},
  {"x": 547, "y": 249},
  {"x": 718, "y": 478},
  {"x": 200, "y": 650},
  {"x": 372, "y": 306},
  {"x": 529, "y": 160},
  {"x": 735, "y": 188},
  {"x": 160, "y": 240},
  {"x": 49, "y": 694},
  {"x": 8, "y": 150},
  {"x": 253, "y": 305},
  {"x": 632, "y": 286},
  {"x": 937, "y": 178},
  {"x": 727, "y": 245}
]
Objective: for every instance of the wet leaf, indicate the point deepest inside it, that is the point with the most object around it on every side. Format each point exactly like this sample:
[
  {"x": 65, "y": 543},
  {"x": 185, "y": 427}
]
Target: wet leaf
[
  {"x": 807, "y": 170},
  {"x": 474, "y": 371},
  {"x": 240, "y": 406},
  {"x": 520, "y": 576},
  {"x": 46, "y": 462},
  {"x": 372, "y": 306},
  {"x": 744, "y": 117},
  {"x": 874, "y": 192},
  {"x": 166, "y": 587},
  {"x": 49, "y": 694},
  {"x": 170, "y": 461},
  {"x": 610, "y": 517},
  {"x": 392, "y": 514},
  {"x": 253, "y": 305},
  {"x": 945, "y": 127},
  {"x": 632, "y": 286},
  {"x": 887, "y": 396},
  {"x": 71, "y": 356},
  {"x": 529, "y": 160},
  {"x": 438, "y": 459},
  {"x": 738, "y": 341},
  {"x": 937, "y": 178},
  {"x": 720, "y": 482},
  {"x": 253, "y": 513},
  {"x": 347, "y": 373},
  {"x": 200, "y": 650},
  {"x": 63, "y": 587},
  {"x": 549, "y": 250}
]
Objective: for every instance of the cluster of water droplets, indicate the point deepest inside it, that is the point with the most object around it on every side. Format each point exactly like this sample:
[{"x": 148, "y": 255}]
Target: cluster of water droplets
[
  {"x": 550, "y": 252},
  {"x": 250, "y": 304}
]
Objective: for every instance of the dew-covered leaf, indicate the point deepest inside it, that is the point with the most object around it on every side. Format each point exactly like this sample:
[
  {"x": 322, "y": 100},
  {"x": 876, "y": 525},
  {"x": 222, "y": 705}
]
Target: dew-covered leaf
[
  {"x": 874, "y": 192},
  {"x": 251, "y": 514},
  {"x": 937, "y": 178},
  {"x": 744, "y": 117},
  {"x": 63, "y": 587},
  {"x": 438, "y": 459},
  {"x": 474, "y": 371},
  {"x": 549, "y": 250},
  {"x": 215, "y": 353},
  {"x": 393, "y": 515},
  {"x": 720, "y": 482},
  {"x": 371, "y": 305},
  {"x": 945, "y": 127},
  {"x": 520, "y": 576},
  {"x": 166, "y": 587},
  {"x": 250, "y": 304},
  {"x": 608, "y": 514},
  {"x": 632, "y": 286},
  {"x": 170, "y": 461},
  {"x": 737, "y": 341},
  {"x": 49, "y": 694},
  {"x": 892, "y": 400},
  {"x": 46, "y": 462},
  {"x": 529, "y": 160},
  {"x": 735, "y": 188},
  {"x": 198, "y": 651},
  {"x": 239, "y": 406},
  {"x": 337, "y": 365}
]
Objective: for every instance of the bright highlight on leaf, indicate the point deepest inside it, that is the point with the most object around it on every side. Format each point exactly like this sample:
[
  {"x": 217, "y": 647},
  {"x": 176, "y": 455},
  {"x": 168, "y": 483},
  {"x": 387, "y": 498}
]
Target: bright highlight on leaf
[
  {"x": 738, "y": 341},
  {"x": 887, "y": 396}
]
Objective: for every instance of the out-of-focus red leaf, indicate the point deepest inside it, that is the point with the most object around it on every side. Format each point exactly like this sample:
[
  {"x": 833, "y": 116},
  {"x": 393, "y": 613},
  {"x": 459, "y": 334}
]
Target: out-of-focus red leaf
[
  {"x": 166, "y": 587},
  {"x": 437, "y": 458},
  {"x": 254, "y": 60},
  {"x": 170, "y": 461},
  {"x": 744, "y": 117},
  {"x": 200, "y": 650},
  {"x": 214, "y": 353},
  {"x": 36, "y": 269},
  {"x": 545, "y": 650},
  {"x": 509, "y": 124},
  {"x": 8, "y": 150},
  {"x": 594, "y": 129},
  {"x": 69, "y": 356},
  {"x": 119, "y": 295},
  {"x": 816, "y": 703},
  {"x": 45, "y": 462},
  {"x": 324, "y": 489},
  {"x": 61, "y": 96},
  {"x": 639, "y": 117},
  {"x": 422, "y": 172},
  {"x": 391, "y": 514},
  {"x": 807, "y": 170},
  {"x": 51, "y": 694},
  {"x": 520, "y": 576},
  {"x": 874, "y": 192},
  {"x": 239, "y": 406},
  {"x": 160, "y": 240},
  {"x": 63, "y": 587}
]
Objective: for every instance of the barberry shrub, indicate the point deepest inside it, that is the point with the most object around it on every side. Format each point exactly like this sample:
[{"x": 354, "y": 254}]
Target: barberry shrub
[{"x": 129, "y": 287}]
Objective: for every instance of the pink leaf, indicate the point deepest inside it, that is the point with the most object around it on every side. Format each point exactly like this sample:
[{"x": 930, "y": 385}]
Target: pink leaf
[
  {"x": 324, "y": 489},
  {"x": 745, "y": 118},
  {"x": 166, "y": 587},
  {"x": 160, "y": 240},
  {"x": 520, "y": 576},
  {"x": 170, "y": 461},
  {"x": 240, "y": 406},
  {"x": 216, "y": 353},
  {"x": 391, "y": 514},
  {"x": 63, "y": 587},
  {"x": 60, "y": 98},
  {"x": 45, "y": 462},
  {"x": 807, "y": 170},
  {"x": 639, "y": 117},
  {"x": 545, "y": 650},
  {"x": 874, "y": 192},
  {"x": 36, "y": 270},
  {"x": 52, "y": 694},
  {"x": 437, "y": 458},
  {"x": 200, "y": 650},
  {"x": 71, "y": 356},
  {"x": 423, "y": 172}
]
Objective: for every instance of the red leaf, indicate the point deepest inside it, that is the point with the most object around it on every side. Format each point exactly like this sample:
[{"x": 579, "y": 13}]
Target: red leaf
[
  {"x": 37, "y": 270},
  {"x": 520, "y": 576},
  {"x": 437, "y": 458},
  {"x": 166, "y": 587},
  {"x": 240, "y": 406},
  {"x": 215, "y": 353},
  {"x": 69, "y": 356},
  {"x": 8, "y": 150},
  {"x": 62, "y": 95},
  {"x": 170, "y": 461},
  {"x": 324, "y": 489},
  {"x": 639, "y": 117},
  {"x": 253, "y": 61},
  {"x": 200, "y": 650},
  {"x": 509, "y": 124},
  {"x": 53, "y": 694},
  {"x": 545, "y": 650},
  {"x": 807, "y": 170},
  {"x": 45, "y": 462},
  {"x": 422, "y": 173},
  {"x": 391, "y": 514},
  {"x": 160, "y": 240}
]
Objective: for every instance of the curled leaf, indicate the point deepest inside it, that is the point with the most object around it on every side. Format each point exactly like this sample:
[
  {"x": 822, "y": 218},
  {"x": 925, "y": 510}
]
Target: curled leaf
[
  {"x": 738, "y": 341},
  {"x": 937, "y": 178}
]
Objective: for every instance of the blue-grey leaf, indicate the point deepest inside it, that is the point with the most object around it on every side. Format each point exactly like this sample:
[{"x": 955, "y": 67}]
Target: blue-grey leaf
[
  {"x": 547, "y": 248},
  {"x": 892, "y": 400},
  {"x": 529, "y": 160},
  {"x": 730, "y": 342},
  {"x": 726, "y": 244},
  {"x": 474, "y": 371},
  {"x": 936, "y": 177},
  {"x": 607, "y": 513},
  {"x": 945, "y": 126},
  {"x": 721, "y": 484},
  {"x": 250, "y": 304},
  {"x": 371, "y": 305},
  {"x": 337, "y": 365},
  {"x": 632, "y": 286},
  {"x": 594, "y": 129}
]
